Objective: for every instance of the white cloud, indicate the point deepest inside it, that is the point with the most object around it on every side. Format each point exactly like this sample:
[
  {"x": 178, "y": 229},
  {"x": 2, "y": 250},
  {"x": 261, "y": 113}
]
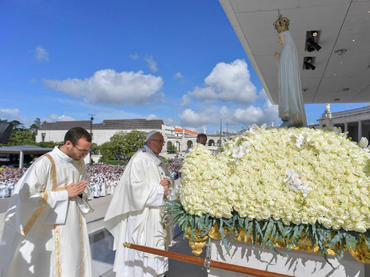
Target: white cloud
[
  {"x": 110, "y": 87},
  {"x": 190, "y": 118},
  {"x": 271, "y": 113},
  {"x": 186, "y": 99},
  {"x": 152, "y": 116},
  {"x": 254, "y": 115},
  {"x": 9, "y": 114},
  {"x": 242, "y": 117},
  {"x": 55, "y": 117},
  {"x": 228, "y": 82},
  {"x": 41, "y": 54},
  {"x": 178, "y": 75},
  {"x": 13, "y": 114},
  {"x": 169, "y": 122},
  {"x": 152, "y": 64}
]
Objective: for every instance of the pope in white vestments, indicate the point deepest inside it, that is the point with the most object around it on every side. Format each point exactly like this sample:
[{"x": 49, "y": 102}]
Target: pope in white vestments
[
  {"x": 134, "y": 214},
  {"x": 45, "y": 232}
]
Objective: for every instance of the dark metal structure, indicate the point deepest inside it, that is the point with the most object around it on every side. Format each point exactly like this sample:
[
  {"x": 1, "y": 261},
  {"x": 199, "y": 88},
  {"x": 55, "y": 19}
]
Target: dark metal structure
[{"x": 5, "y": 132}]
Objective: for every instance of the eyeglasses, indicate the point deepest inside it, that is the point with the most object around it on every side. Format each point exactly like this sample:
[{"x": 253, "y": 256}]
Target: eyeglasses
[{"x": 82, "y": 151}]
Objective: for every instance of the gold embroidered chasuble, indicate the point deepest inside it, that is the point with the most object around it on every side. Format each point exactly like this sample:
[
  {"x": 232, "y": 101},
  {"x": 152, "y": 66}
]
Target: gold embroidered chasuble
[
  {"x": 45, "y": 233},
  {"x": 134, "y": 215}
]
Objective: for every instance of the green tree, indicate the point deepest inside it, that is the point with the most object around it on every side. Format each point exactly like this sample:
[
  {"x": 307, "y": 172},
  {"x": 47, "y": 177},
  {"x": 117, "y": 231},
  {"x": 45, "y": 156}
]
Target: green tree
[
  {"x": 131, "y": 142},
  {"x": 122, "y": 146},
  {"x": 49, "y": 144},
  {"x": 17, "y": 124},
  {"x": 171, "y": 148},
  {"x": 36, "y": 124},
  {"x": 94, "y": 149},
  {"x": 107, "y": 151},
  {"x": 21, "y": 137}
]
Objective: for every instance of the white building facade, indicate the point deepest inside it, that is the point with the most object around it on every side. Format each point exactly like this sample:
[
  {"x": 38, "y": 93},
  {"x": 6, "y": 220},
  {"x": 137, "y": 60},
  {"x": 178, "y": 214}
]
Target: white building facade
[
  {"x": 182, "y": 139},
  {"x": 101, "y": 132},
  {"x": 356, "y": 121}
]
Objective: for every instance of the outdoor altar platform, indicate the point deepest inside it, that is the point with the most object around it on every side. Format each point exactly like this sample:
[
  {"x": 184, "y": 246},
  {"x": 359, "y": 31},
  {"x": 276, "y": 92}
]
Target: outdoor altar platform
[{"x": 297, "y": 263}]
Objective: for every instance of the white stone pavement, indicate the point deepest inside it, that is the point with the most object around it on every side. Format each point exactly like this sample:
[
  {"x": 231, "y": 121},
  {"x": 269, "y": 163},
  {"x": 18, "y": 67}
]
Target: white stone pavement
[{"x": 101, "y": 243}]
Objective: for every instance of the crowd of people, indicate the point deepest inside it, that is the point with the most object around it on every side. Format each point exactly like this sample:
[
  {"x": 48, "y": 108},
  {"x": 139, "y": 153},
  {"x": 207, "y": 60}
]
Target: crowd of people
[
  {"x": 103, "y": 178},
  {"x": 50, "y": 203},
  {"x": 8, "y": 178},
  {"x": 174, "y": 166}
]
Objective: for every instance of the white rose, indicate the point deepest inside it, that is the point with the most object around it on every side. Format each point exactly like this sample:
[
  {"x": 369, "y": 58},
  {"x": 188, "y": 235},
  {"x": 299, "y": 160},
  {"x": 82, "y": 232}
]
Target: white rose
[{"x": 363, "y": 143}]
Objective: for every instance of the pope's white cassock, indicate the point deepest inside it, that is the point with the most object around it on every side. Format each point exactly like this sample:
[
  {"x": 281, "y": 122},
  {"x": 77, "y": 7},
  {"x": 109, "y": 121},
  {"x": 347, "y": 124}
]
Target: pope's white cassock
[
  {"x": 134, "y": 216},
  {"x": 45, "y": 232}
]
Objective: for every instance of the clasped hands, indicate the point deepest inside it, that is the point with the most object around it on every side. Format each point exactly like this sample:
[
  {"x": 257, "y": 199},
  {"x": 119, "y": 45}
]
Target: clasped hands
[
  {"x": 75, "y": 189},
  {"x": 165, "y": 183}
]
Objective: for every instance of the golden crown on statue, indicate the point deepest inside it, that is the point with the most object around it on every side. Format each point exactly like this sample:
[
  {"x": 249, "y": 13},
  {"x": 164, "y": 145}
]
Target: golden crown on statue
[{"x": 282, "y": 23}]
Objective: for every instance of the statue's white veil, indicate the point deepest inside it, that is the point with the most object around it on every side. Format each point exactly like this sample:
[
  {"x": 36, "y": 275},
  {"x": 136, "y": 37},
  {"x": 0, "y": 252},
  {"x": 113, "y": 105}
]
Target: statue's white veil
[{"x": 291, "y": 107}]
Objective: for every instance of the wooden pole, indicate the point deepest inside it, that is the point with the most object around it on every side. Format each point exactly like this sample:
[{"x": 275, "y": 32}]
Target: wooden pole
[{"x": 198, "y": 260}]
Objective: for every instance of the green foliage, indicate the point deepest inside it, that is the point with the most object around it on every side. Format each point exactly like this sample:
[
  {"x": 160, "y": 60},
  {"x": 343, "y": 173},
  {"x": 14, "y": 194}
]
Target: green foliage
[
  {"x": 16, "y": 124},
  {"x": 22, "y": 137},
  {"x": 171, "y": 149},
  {"x": 49, "y": 144},
  {"x": 36, "y": 124},
  {"x": 95, "y": 149},
  {"x": 122, "y": 146},
  {"x": 107, "y": 151},
  {"x": 267, "y": 232}
]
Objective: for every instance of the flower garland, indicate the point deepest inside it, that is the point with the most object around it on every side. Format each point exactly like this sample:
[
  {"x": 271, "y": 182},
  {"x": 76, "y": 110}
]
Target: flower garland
[{"x": 296, "y": 176}]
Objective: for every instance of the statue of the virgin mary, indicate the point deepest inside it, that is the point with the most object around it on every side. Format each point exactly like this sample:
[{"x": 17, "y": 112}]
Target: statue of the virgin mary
[{"x": 291, "y": 107}]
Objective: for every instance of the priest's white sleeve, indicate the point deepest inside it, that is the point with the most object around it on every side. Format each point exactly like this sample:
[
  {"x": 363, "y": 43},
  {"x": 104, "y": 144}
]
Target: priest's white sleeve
[
  {"x": 58, "y": 201},
  {"x": 32, "y": 199}
]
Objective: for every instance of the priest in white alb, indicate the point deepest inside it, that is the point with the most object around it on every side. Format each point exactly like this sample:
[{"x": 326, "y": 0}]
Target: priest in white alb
[
  {"x": 134, "y": 214},
  {"x": 45, "y": 232}
]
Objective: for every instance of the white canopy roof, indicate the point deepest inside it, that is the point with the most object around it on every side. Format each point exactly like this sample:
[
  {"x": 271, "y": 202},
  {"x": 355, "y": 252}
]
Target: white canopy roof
[{"x": 344, "y": 24}]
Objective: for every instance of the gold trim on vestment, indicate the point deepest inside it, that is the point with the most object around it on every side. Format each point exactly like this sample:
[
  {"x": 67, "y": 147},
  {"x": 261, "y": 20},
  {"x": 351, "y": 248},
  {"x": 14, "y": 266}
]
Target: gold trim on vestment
[
  {"x": 36, "y": 214},
  {"x": 82, "y": 268},
  {"x": 58, "y": 268},
  {"x": 53, "y": 172},
  {"x": 82, "y": 272},
  {"x": 30, "y": 223}
]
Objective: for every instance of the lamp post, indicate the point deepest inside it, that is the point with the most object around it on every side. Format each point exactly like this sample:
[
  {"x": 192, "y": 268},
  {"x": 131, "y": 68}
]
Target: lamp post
[
  {"x": 91, "y": 123},
  {"x": 91, "y": 133}
]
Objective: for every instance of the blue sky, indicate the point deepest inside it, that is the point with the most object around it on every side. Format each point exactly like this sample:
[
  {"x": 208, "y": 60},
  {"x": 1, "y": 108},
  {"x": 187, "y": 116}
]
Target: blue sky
[{"x": 179, "y": 61}]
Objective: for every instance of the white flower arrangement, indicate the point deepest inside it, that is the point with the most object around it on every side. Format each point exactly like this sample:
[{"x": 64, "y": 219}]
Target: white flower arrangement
[
  {"x": 294, "y": 182},
  {"x": 299, "y": 176},
  {"x": 364, "y": 144}
]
